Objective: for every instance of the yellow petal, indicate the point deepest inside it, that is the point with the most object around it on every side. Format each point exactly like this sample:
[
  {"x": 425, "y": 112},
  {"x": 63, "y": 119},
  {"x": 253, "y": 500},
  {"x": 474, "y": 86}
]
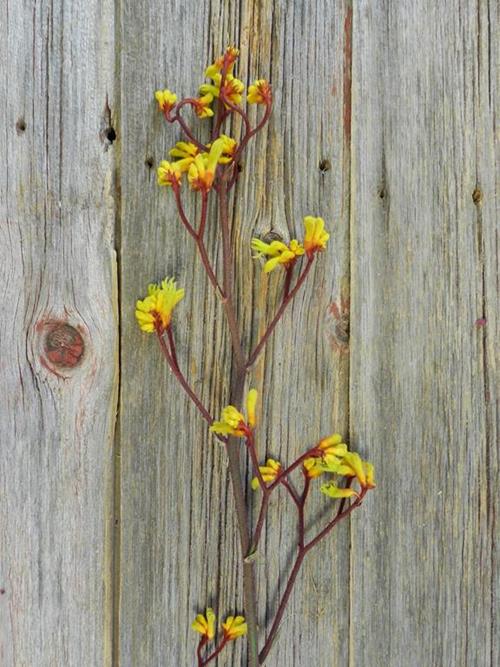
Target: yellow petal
[
  {"x": 251, "y": 403},
  {"x": 335, "y": 492}
]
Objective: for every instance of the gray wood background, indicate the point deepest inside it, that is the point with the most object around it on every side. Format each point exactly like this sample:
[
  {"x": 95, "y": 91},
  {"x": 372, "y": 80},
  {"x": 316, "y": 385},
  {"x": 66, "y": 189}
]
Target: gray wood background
[{"x": 116, "y": 522}]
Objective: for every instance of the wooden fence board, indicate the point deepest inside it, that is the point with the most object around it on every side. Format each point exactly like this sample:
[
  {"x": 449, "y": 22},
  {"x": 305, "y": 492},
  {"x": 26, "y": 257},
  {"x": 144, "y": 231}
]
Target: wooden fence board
[
  {"x": 110, "y": 546},
  {"x": 177, "y": 527},
  {"x": 57, "y": 264},
  {"x": 424, "y": 320}
]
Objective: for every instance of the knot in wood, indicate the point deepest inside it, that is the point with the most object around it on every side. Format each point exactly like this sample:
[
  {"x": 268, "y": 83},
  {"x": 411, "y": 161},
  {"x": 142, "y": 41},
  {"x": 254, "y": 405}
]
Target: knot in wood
[{"x": 64, "y": 346}]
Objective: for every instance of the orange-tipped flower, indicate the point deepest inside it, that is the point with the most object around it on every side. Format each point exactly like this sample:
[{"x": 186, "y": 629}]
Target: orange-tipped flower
[
  {"x": 315, "y": 237},
  {"x": 154, "y": 313},
  {"x": 186, "y": 152},
  {"x": 269, "y": 473},
  {"x": 205, "y": 625},
  {"x": 168, "y": 173},
  {"x": 279, "y": 252},
  {"x": 166, "y": 100},
  {"x": 233, "y": 422},
  {"x": 202, "y": 106},
  {"x": 259, "y": 92},
  {"x": 202, "y": 171},
  {"x": 234, "y": 627}
]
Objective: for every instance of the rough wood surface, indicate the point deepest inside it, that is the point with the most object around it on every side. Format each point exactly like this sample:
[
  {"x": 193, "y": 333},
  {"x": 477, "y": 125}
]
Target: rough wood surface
[
  {"x": 424, "y": 380},
  {"x": 384, "y": 125},
  {"x": 56, "y": 264}
]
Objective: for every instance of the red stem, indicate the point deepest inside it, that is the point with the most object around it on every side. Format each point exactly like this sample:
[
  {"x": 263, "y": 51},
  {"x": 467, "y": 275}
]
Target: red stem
[
  {"x": 292, "y": 492},
  {"x": 260, "y": 521},
  {"x": 244, "y": 117},
  {"x": 303, "y": 550},
  {"x": 313, "y": 452},
  {"x": 288, "y": 280},
  {"x": 203, "y": 216},
  {"x": 215, "y": 653},
  {"x": 198, "y": 236},
  {"x": 201, "y": 644},
  {"x": 279, "y": 314},
  {"x": 233, "y": 452},
  {"x": 334, "y": 522},
  {"x": 227, "y": 280},
  {"x": 182, "y": 214},
  {"x": 282, "y": 606},
  {"x": 253, "y": 132},
  {"x": 267, "y": 490},
  {"x": 183, "y": 382},
  {"x": 185, "y": 128},
  {"x": 300, "y": 508},
  {"x": 173, "y": 351}
]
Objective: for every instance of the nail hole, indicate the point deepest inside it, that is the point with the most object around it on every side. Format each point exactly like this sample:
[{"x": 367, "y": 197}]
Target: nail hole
[
  {"x": 381, "y": 193},
  {"x": 324, "y": 166},
  {"x": 20, "y": 125},
  {"x": 477, "y": 196},
  {"x": 149, "y": 162},
  {"x": 110, "y": 134},
  {"x": 272, "y": 236}
]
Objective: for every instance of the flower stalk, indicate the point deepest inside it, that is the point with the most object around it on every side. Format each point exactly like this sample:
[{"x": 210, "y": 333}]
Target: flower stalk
[{"x": 213, "y": 170}]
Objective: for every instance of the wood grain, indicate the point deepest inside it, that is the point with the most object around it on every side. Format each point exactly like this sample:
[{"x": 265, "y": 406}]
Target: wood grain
[
  {"x": 178, "y": 527},
  {"x": 384, "y": 124},
  {"x": 56, "y": 264},
  {"x": 424, "y": 569}
]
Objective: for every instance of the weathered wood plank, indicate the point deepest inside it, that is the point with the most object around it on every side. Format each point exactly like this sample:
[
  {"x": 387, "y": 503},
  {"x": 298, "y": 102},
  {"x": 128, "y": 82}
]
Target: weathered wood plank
[
  {"x": 177, "y": 525},
  {"x": 56, "y": 265},
  {"x": 424, "y": 367}
]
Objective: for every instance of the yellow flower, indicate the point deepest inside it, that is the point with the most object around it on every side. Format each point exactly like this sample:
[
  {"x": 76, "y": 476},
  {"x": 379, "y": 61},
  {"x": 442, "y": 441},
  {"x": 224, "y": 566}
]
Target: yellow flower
[
  {"x": 168, "y": 173},
  {"x": 269, "y": 473},
  {"x": 230, "y": 56},
  {"x": 259, "y": 92},
  {"x": 234, "y": 626},
  {"x": 232, "y": 89},
  {"x": 201, "y": 172},
  {"x": 202, "y": 106},
  {"x": 227, "y": 59},
  {"x": 333, "y": 447},
  {"x": 353, "y": 466},
  {"x": 230, "y": 147},
  {"x": 166, "y": 100},
  {"x": 313, "y": 468},
  {"x": 205, "y": 625},
  {"x": 335, "y": 492},
  {"x": 315, "y": 237},
  {"x": 232, "y": 422},
  {"x": 251, "y": 404},
  {"x": 186, "y": 152},
  {"x": 279, "y": 252},
  {"x": 154, "y": 313}
]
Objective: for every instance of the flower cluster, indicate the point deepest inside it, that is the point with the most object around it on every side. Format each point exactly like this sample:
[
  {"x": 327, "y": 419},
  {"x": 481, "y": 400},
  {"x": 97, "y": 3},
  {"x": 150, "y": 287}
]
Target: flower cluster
[
  {"x": 233, "y": 627},
  {"x": 332, "y": 456},
  {"x": 199, "y": 160}
]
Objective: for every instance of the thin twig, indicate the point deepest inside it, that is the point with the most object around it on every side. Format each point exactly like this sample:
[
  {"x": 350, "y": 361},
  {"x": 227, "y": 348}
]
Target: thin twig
[{"x": 279, "y": 314}]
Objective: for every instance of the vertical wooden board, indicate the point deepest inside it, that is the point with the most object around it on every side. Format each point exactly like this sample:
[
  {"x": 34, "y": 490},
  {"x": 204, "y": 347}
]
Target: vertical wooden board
[
  {"x": 424, "y": 318},
  {"x": 177, "y": 523},
  {"x": 57, "y": 334}
]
